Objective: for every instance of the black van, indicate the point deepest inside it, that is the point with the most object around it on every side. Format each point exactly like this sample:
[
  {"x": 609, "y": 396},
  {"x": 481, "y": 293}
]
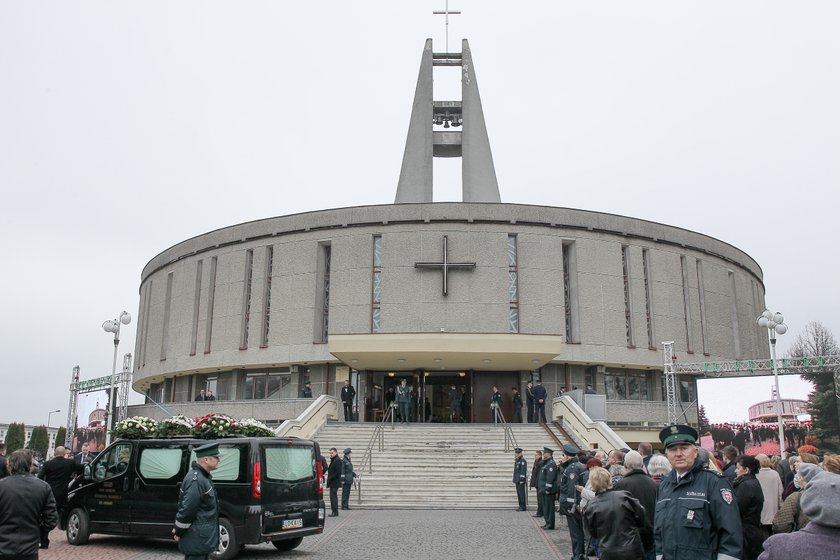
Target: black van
[{"x": 269, "y": 491}]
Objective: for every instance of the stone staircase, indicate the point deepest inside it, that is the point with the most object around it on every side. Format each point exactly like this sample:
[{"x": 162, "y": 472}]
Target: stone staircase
[{"x": 435, "y": 466}]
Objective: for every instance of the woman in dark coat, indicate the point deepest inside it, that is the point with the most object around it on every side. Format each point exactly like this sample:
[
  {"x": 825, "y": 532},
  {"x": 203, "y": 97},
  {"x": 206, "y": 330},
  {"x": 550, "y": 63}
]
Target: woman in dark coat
[
  {"x": 614, "y": 517},
  {"x": 750, "y": 500}
]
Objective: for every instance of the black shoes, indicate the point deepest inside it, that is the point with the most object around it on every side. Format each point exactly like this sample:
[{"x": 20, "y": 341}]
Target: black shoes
[
  {"x": 547, "y": 528},
  {"x": 537, "y": 515},
  {"x": 333, "y": 514}
]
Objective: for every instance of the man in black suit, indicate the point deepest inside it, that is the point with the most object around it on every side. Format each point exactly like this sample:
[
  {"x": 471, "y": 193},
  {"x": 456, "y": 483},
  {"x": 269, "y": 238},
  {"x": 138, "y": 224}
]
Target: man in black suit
[
  {"x": 58, "y": 472},
  {"x": 84, "y": 456},
  {"x": 334, "y": 472},
  {"x": 348, "y": 393}
]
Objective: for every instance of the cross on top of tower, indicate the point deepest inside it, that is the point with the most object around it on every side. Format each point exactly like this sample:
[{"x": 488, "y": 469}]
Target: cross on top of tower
[{"x": 446, "y": 11}]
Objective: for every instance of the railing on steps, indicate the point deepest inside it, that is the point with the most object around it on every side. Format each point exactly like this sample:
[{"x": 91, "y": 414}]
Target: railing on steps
[
  {"x": 553, "y": 436},
  {"x": 498, "y": 417},
  {"x": 377, "y": 436}
]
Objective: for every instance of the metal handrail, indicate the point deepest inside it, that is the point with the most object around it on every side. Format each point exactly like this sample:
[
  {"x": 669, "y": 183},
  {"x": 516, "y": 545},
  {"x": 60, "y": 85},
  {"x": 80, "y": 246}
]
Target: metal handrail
[
  {"x": 499, "y": 417},
  {"x": 378, "y": 435}
]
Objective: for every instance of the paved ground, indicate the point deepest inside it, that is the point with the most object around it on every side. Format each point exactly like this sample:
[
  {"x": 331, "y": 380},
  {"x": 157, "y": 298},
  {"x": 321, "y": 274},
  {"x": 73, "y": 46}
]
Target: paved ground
[{"x": 370, "y": 535}]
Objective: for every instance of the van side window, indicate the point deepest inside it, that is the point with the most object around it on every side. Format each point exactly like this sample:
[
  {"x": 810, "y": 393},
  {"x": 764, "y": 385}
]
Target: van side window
[
  {"x": 160, "y": 463},
  {"x": 289, "y": 464},
  {"x": 113, "y": 462},
  {"x": 230, "y": 467}
]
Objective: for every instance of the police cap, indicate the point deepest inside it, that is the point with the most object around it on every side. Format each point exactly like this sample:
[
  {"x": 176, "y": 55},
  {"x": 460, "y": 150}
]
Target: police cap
[
  {"x": 570, "y": 450},
  {"x": 518, "y": 450},
  {"x": 676, "y": 434},
  {"x": 548, "y": 450},
  {"x": 347, "y": 451},
  {"x": 207, "y": 450}
]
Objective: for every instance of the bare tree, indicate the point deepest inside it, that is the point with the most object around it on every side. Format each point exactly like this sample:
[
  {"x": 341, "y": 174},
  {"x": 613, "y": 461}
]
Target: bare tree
[{"x": 824, "y": 401}]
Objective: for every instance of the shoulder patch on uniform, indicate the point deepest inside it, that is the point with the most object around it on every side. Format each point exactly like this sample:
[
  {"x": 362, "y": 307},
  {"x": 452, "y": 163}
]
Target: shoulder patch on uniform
[
  {"x": 550, "y": 469},
  {"x": 726, "y": 494},
  {"x": 571, "y": 476}
]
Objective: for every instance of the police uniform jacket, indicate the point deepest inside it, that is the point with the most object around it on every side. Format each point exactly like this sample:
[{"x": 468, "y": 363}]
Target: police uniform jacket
[
  {"x": 497, "y": 398},
  {"x": 347, "y": 471},
  {"x": 197, "y": 520},
  {"x": 547, "y": 481},
  {"x": 574, "y": 474},
  {"x": 697, "y": 517},
  {"x": 520, "y": 471}
]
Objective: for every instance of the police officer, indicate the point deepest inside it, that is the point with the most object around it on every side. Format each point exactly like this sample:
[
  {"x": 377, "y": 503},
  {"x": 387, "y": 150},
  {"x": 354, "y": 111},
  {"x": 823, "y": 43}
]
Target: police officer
[
  {"x": 346, "y": 479},
  {"x": 574, "y": 474},
  {"x": 307, "y": 391},
  {"x": 520, "y": 478},
  {"x": 547, "y": 487},
  {"x": 696, "y": 512},
  {"x": 197, "y": 521},
  {"x": 535, "y": 476},
  {"x": 495, "y": 404}
]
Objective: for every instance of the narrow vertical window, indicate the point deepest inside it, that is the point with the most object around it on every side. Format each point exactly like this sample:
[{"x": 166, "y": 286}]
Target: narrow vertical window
[
  {"x": 628, "y": 303},
  {"x": 689, "y": 338},
  {"x": 570, "y": 292},
  {"x": 266, "y": 311},
  {"x": 146, "y": 306},
  {"x": 736, "y": 334},
  {"x": 167, "y": 308},
  {"x": 211, "y": 299},
  {"x": 701, "y": 290},
  {"x": 196, "y": 304},
  {"x": 322, "y": 302},
  {"x": 513, "y": 283},
  {"x": 246, "y": 299},
  {"x": 376, "y": 287},
  {"x": 648, "y": 298}
]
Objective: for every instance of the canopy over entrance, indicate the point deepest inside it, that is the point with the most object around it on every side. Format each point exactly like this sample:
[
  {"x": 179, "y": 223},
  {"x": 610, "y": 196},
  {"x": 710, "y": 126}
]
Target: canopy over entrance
[{"x": 445, "y": 351}]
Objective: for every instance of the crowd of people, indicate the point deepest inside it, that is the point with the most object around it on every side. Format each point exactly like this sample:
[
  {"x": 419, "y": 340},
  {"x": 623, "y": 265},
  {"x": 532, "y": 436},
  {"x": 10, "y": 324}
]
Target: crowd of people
[
  {"x": 744, "y": 435},
  {"x": 686, "y": 503}
]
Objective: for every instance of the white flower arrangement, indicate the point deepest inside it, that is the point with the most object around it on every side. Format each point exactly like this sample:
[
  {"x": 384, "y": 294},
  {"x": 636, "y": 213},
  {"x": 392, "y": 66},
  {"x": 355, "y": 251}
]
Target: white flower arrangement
[
  {"x": 135, "y": 427},
  {"x": 178, "y": 425},
  {"x": 254, "y": 428}
]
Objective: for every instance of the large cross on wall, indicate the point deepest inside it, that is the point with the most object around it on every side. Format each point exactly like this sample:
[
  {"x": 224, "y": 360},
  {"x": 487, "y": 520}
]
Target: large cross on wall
[{"x": 445, "y": 265}]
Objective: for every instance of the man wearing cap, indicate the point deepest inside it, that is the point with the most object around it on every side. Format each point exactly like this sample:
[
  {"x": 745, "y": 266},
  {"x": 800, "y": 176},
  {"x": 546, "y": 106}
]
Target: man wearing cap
[
  {"x": 197, "y": 521},
  {"x": 547, "y": 487},
  {"x": 346, "y": 479},
  {"x": 307, "y": 391},
  {"x": 696, "y": 513},
  {"x": 574, "y": 474},
  {"x": 520, "y": 477}
]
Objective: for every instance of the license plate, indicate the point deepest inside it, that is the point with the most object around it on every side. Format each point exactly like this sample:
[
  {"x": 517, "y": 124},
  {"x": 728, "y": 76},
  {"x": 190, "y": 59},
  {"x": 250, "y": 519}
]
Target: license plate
[{"x": 291, "y": 524}]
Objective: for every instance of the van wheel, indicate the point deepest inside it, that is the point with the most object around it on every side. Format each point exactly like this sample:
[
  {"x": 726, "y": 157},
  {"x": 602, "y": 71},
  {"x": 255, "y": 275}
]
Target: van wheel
[
  {"x": 228, "y": 547},
  {"x": 288, "y": 544},
  {"x": 78, "y": 527}
]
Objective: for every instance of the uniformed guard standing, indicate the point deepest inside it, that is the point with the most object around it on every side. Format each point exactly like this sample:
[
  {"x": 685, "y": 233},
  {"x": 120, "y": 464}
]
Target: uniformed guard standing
[
  {"x": 307, "y": 391},
  {"x": 520, "y": 478},
  {"x": 347, "y": 477},
  {"x": 696, "y": 513},
  {"x": 574, "y": 474},
  {"x": 197, "y": 521},
  {"x": 495, "y": 404},
  {"x": 547, "y": 487}
]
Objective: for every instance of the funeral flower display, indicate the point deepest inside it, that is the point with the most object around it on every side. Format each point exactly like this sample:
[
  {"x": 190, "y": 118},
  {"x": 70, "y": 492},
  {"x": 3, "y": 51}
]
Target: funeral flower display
[
  {"x": 178, "y": 425},
  {"x": 135, "y": 427},
  {"x": 215, "y": 425},
  {"x": 254, "y": 428}
]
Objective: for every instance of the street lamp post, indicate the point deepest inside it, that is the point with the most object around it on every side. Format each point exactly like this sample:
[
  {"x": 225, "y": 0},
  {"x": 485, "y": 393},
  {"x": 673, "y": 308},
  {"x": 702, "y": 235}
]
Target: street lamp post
[
  {"x": 113, "y": 326},
  {"x": 49, "y": 416},
  {"x": 774, "y": 323}
]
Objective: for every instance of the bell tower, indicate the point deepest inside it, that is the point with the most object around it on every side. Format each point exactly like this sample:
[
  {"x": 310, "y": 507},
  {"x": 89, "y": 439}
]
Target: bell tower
[{"x": 447, "y": 129}]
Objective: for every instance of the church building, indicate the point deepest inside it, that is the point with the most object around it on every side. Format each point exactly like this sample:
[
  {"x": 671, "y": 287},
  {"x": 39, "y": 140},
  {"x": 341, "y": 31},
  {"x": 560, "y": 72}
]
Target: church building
[{"x": 469, "y": 294}]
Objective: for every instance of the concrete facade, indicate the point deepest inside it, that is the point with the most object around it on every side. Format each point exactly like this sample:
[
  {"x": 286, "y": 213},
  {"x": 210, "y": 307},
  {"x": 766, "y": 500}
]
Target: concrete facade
[{"x": 702, "y": 293}]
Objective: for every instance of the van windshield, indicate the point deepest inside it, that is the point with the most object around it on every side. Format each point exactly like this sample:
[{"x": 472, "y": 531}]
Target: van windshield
[{"x": 289, "y": 464}]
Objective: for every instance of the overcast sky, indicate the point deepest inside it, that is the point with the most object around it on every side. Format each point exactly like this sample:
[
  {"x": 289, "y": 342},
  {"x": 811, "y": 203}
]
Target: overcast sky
[{"x": 126, "y": 127}]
